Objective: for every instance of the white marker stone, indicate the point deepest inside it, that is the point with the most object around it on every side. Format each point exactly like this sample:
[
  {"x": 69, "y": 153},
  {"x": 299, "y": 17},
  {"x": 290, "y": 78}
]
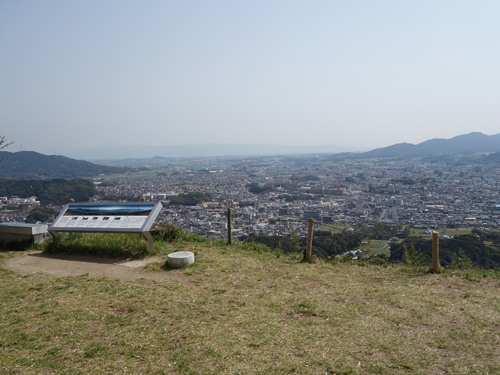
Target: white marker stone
[{"x": 180, "y": 259}]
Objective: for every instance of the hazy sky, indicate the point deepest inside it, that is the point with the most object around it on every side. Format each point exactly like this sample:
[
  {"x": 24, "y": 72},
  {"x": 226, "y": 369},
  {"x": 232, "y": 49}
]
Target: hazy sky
[{"x": 356, "y": 73}]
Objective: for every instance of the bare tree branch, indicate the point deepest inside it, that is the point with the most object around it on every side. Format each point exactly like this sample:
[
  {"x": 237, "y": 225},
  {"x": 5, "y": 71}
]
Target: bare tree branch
[{"x": 3, "y": 142}]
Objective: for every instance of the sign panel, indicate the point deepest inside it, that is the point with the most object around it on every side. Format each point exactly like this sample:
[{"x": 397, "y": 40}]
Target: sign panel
[{"x": 106, "y": 217}]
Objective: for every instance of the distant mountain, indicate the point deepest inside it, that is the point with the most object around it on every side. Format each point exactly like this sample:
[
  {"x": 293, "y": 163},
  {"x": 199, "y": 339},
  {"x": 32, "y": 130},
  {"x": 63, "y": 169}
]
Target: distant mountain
[
  {"x": 474, "y": 147},
  {"x": 463, "y": 144},
  {"x": 466, "y": 144},
  {"x": 32, "y": 165},
  {"x": 200, "y": 150}
]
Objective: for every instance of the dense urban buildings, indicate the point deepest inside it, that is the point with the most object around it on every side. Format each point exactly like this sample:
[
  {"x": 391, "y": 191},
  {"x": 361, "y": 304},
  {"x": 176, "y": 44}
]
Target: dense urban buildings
[{"x": 277, "y": 195}]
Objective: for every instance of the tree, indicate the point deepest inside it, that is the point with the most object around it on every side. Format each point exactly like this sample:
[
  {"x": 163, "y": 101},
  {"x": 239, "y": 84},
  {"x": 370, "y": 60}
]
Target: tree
[
  {"x": 190, "y": 199},
  {"x": 41, "y": 214},
  {"x": 257, "y": 189},
  {"x": 56, "y": 192},
  {"x": 3, "y": 142}
]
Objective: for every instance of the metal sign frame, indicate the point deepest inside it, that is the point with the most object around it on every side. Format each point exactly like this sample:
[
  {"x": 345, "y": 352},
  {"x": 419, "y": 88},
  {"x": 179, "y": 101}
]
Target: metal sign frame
[{"x": 109, "y": 217}]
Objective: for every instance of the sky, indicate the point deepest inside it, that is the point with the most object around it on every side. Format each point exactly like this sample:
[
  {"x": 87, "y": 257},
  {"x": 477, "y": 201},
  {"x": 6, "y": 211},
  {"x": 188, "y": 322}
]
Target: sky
[{"x": 355, "y": 73}]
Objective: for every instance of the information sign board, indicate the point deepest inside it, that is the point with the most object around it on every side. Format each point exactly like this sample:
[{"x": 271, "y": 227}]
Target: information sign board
[{"x": 112, "y": 217}]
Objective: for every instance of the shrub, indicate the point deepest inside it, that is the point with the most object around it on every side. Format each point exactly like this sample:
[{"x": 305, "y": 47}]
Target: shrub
[
  {"x": 167, "y": 233},
  {"x": 411, "y": 257},
  {"x": 460, "y": 261}
]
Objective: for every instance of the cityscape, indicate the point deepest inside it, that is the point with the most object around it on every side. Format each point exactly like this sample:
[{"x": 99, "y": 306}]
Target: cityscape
[
  {"x": 346, "y": 193},
  {"x": 277, "y": 195}
]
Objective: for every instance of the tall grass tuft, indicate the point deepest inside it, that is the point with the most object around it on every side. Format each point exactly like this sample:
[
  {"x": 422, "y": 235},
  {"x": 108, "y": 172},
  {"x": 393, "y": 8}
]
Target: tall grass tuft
[{"x": 108, "y": 245}]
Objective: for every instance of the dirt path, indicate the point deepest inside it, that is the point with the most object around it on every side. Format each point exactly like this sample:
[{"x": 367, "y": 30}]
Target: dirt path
[{"x": 64, "y": 265}]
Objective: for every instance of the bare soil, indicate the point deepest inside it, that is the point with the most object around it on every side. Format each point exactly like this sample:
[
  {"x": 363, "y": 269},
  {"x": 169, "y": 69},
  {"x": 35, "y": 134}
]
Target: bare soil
[{"x": 65, "y": 265}]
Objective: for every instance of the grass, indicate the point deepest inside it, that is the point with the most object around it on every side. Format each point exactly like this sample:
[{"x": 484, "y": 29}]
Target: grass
[
  {"x": 334, "y": 229},
  {"x": 376, "y": 247},
  {"x": 454, "y": 231},
  {"x": 241, "y": 310},
  {"x": 442, "y": 231},
  {"x": 98, "y": 244}
]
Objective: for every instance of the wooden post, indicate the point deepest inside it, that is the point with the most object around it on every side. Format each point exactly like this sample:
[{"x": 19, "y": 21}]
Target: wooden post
[
  {"x": 229, "y": 228},
  {"x": 308, "y": 254},
  {"x": 435, "y": 252}
]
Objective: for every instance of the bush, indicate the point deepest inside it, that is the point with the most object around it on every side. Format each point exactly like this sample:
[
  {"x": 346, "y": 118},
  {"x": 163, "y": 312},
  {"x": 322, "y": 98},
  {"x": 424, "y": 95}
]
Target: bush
[
  {"x": 167, "y": 233},
  {"x": 460, "y": 261},
  {"x": 411, "y": 257}
]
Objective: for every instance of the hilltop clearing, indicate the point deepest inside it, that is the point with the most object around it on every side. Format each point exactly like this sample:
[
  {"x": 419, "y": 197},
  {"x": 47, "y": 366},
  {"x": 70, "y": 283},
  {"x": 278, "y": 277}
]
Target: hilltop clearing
[{"x": 237, "y": 311}]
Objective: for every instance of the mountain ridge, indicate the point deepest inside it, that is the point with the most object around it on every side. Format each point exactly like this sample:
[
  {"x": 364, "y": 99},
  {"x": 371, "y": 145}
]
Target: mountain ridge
[
  {"x": 474, "y": 142},
  {"x": 200, "y": 150},
  {"x": 470, "y": 143},
  {"x": 31, "y": 164}
]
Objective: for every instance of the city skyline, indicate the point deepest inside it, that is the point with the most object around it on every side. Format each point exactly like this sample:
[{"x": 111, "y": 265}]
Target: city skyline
[{"x": 355, "y": 75}]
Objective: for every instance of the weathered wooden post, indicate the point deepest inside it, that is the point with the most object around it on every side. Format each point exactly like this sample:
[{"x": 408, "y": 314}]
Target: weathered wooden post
[
  {"x": 229, "y": 228},
  {"x": 435, "y": 252},
  {"x": 308, "y": 254}
]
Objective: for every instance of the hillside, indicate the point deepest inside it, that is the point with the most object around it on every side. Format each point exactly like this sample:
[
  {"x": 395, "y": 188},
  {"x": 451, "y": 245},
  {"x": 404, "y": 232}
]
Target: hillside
[
  {"x": 49, "y": 192},
  {"x": 32, "y": 165},
  {"x": 241, "y": 311},
  {"x": 493, "y": 158},
  {"x": 462, "y": 144},
  {"x": 28, "y": 164},
  {"x": 466, "y": 144}
]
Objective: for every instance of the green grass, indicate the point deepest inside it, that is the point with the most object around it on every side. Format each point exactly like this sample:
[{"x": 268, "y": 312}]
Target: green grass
[
  {"x": 442, "y": 231},
  {"x": 376, "y": 247},
  {"x": 243, "y": 310},
  {"x": 134, "y": 174},
  {"x": 98, "y": 244},
  {"x": 454, "y": 231},
  {"x": 334, "y": 229}
]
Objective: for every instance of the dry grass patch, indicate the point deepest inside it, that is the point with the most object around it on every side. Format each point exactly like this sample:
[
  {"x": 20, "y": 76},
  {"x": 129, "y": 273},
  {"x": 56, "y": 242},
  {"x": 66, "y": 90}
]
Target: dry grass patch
[{"x": 240, "y": 312}]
